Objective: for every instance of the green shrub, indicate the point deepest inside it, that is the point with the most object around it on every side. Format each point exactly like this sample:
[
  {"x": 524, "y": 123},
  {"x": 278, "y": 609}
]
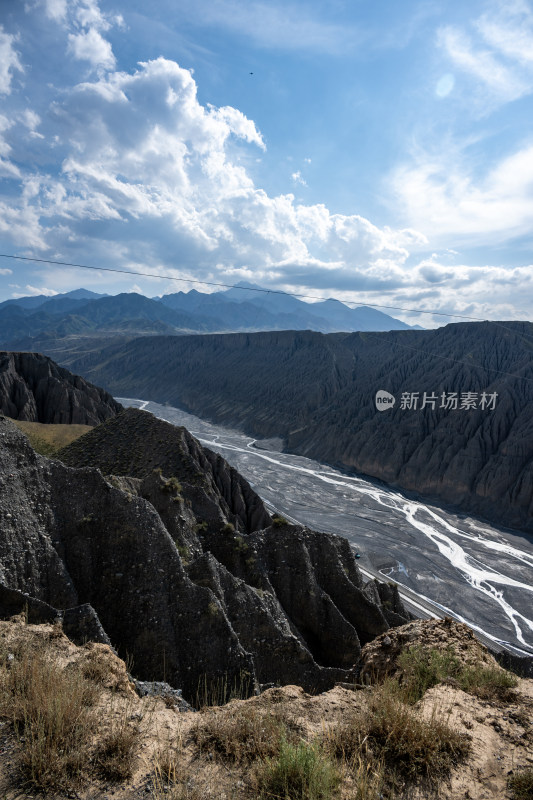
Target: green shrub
[
  {"x": 299, "y": 772},
  {"x": 240, "y": 544},
  {"x": 172, "y": 486},
  {"x": 279, "y": 521},
  {"x": 200, "y": 527}
]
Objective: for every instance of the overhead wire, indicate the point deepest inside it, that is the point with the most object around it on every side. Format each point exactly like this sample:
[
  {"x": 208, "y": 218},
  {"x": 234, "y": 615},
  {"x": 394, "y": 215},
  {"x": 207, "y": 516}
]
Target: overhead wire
[{"x": 300, "y": 296}]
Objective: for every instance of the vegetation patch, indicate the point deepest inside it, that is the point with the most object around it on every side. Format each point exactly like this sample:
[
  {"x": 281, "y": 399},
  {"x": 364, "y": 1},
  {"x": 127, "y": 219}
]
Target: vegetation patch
[
  {"x": 117, "y": 752},
  {"x": 172, "y": 486},
  {"x": 422, "y": 668},
  {"x": 49, "y": 439},
  {"x": 299, "y": 772},
  {"x": 52, "y": 710},
  {"x": 391, "y": 734},
  {"x": 521, "y": 784},
  {"x": 246, "y": 735}
]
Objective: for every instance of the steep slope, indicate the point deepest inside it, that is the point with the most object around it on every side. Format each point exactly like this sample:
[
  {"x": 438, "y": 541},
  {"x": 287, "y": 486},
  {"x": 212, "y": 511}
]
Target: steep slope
[
  {"x": 318, "y": 393},
  {"x": 35, "y": 389},
  {"x": 185, "y": 570}
]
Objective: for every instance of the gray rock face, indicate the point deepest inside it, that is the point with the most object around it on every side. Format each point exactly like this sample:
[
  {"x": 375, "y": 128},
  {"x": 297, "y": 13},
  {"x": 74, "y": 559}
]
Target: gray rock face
[
  {"x": 183, "y": 576},
  {"x": 317, "y": 393},
  {"x": 34, "y": 388}
]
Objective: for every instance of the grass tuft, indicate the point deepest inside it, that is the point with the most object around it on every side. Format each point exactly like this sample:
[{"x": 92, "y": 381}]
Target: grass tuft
[
  {"x": 423, "y": 668},
  {"x": 521, "y": 784},
  {"x": 392, "y": 735},
  {"x": 244, "y": 736},
  {"x": 299, "y": 772},
  {"x": 117, "y": 752},
  {"x": 53, "y": 715}
]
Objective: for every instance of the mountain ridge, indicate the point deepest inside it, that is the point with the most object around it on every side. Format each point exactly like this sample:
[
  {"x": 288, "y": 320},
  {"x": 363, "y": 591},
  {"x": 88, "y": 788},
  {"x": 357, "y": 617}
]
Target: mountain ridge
[
  {"x": 317, "y": 392},
  {"x": 32, "y": 323}
]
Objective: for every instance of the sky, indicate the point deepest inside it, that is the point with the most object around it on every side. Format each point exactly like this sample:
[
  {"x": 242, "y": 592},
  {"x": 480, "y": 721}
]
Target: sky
[{"x": 380, "y": 153}]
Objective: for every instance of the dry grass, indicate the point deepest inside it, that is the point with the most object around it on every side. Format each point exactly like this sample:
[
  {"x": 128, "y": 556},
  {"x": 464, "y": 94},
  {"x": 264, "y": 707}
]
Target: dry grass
[
  {"x": 221, "y": 690},
  {"x": 52, "y": 710},
  {"x": 392, "y": 739},
  {"x": 116, "y": 753},
  {"x": 49, "y": 439},
  {"x": 172, "y": 777},
  {"x": 248, "y": 734},
  {"x": 55, "y": 715},
  {"x": 521, "y": 784}
]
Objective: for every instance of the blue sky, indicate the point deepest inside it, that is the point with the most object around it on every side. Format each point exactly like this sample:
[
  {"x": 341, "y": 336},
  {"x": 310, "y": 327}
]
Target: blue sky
[{"x": 379, "y": 153}]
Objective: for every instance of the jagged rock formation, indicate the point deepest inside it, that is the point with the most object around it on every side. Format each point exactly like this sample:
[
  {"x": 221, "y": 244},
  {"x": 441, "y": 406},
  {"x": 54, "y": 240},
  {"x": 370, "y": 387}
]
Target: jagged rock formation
[
  {"x": 34, "y": 388},
  {"x": 318, "y": 392},
  {"x": 185, "y": 570}
]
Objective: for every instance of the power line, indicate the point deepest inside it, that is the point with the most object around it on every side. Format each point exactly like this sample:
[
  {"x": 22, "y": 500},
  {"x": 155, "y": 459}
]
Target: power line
[
  {"x": 243, "y": 288},
  {"x": 303, "y": 296}
]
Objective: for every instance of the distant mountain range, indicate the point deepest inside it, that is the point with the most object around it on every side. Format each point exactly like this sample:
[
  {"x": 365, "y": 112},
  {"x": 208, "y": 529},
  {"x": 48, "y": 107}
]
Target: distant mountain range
[
  {"x": 40, "y": 322},
  {"x": 318, "y": 392}
]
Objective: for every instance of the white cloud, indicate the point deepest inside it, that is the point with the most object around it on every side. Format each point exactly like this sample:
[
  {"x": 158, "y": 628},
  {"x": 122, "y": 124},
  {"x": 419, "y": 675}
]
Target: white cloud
[
  {"x": 276, "y": 25},
  {"x": 297, "y": 178},
  {"x": 91, "y": 46},
  {"x": 496, "y": 52},
  {"x": 85, "y": 23},
  {"x": 6, "y": 271},
  {"x": 148, "y": 178},
  {"x": 442, "y": 197},
  {"x": 56, "y": 9},
  {"x": 9, "y": 61},
  {"x": 504, "y": 83},
  {"x": 87, "y": 13},
  {"x": 36, "y": 291}
]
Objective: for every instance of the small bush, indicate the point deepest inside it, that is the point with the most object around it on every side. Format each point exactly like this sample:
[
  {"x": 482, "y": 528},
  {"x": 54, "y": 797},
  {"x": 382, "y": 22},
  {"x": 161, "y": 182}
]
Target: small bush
[
  {"x": 200, "y": 527},
  {"x": 278, "y": 521},
  {"x": 248, "y": 734},
  {"x": 185, "y": 553},
  {"x": 299, "y": 772},
  {"x": 172, "y": 486},
  {"x": 488, "y": 683},
  {"x": 228, "y": 528},
  {"x": 423, "y": 667},
  {"x": 410, "y": 744},
  {"x": 241, "y": 546},
  {"x": 521, "y": 784}
]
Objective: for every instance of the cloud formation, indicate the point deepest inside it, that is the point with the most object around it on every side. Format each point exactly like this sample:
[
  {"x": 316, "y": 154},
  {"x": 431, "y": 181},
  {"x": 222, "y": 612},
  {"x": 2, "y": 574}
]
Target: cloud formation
[
  {"x": 495, "y": 52},
  {"x": 276, "y": 25},
  {"x": 9, "y": 61},
  {"x": 150, "y": 176},
  {"x": 127, "y": 168}
]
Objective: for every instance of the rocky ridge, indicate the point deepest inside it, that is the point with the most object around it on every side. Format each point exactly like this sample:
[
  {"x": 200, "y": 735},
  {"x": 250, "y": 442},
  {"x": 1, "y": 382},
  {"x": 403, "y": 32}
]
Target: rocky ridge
[
  {"x": 34, "y": 388},
  {"x": 179, "y": 562},
  {"x": 317, "y": 392}
]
